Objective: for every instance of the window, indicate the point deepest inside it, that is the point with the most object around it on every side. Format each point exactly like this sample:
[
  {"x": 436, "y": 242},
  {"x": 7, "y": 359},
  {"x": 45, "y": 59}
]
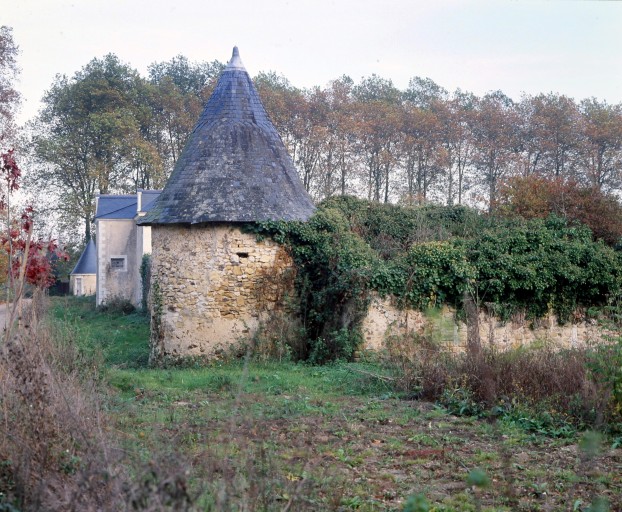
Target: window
[{"x": 117, "y": 263}]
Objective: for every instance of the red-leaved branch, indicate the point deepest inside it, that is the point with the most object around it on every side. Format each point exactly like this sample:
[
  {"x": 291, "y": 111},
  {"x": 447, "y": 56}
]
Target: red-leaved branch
[{"x": 17, "y": 240}]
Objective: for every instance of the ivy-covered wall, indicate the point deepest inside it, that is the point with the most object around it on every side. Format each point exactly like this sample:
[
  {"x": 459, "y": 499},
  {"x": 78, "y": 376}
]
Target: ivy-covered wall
[{"x": 432, "y": 256}]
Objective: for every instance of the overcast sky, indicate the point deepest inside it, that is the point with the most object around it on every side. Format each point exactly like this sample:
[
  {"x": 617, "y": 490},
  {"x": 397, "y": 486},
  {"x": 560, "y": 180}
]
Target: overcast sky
[{"x": 569, "y": 47}]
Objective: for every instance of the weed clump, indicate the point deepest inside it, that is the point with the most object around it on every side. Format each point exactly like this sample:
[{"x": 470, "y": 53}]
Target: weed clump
[
  {"x": 545, "y": 390},
  {"x": 118, "y": 305},
  {"x": 55, "y": 452}
]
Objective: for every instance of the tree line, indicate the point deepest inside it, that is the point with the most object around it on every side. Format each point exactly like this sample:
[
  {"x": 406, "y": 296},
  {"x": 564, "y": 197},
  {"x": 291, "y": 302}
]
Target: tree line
[
  {"x": 426, "y": 144},
  {"x": 107, "y": 129}
]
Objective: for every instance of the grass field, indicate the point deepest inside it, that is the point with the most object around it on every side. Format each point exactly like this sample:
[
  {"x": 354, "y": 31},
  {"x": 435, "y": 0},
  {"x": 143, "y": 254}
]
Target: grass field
[{"x": 247, "y": 435}]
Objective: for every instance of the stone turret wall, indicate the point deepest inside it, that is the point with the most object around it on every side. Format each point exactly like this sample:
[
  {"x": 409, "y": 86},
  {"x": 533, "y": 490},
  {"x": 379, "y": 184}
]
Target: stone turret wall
[{"x": 211, "y": 286}]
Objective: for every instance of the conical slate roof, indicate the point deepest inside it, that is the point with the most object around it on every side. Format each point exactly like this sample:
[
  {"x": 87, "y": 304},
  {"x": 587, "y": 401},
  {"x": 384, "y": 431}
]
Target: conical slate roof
[
  {"x": 87, "y": 264},
  {"x": 234, "y": 167}
]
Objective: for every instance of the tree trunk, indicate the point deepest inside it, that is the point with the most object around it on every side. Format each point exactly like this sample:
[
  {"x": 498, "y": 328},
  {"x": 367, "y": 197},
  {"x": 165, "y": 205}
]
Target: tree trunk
[{"x": 474, "y": 344}]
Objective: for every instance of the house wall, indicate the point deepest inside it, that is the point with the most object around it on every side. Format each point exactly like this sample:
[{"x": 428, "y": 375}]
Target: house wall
[
  {"x": 116, "y": 238},
  {"x": 211, "y": 286},
  {"x": 385, "y": 319},
  {"x": 89, "y": 283}
]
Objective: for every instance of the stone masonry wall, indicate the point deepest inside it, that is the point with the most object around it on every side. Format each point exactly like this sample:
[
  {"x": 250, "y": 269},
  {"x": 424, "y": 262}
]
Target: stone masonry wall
[
  {"x": 211, "y": 286},
  {"x": 385, "y": 319}
]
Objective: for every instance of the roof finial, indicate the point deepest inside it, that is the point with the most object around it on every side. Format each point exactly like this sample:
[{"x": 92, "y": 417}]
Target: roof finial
[{"x": 235, "y": 62}]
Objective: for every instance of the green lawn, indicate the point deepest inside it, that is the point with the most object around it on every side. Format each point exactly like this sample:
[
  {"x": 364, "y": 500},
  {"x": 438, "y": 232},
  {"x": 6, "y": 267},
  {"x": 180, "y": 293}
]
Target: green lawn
[
  {"x": 122, "y": 339},
  {"x": 249, "y": 435}
]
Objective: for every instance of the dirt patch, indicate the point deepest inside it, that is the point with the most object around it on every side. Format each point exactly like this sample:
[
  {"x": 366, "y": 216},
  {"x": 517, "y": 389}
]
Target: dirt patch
[{"x": 370, "y": 454}]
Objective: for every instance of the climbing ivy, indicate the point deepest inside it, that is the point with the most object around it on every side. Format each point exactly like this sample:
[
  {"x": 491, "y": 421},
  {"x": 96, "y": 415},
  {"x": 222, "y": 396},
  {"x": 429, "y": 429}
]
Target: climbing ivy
[
  {"x": 334, "y": 268},
  {"x": 429, "y": 274},
  {"x": 145, "y": 281},
  {"x": 541, "y": 265},
  {"x": 429, "y": 256}
]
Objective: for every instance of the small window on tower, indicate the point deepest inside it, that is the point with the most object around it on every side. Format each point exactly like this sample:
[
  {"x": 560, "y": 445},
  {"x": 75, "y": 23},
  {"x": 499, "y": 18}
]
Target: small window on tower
[{"x": 117, "y": 263}]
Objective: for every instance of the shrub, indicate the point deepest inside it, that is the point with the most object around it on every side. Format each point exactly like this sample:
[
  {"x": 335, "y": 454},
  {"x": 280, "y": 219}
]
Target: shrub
[
  {"x": 118, "y": 305},
  {"x": 333, "y": 272},
  {"x": 429, "y": 256},
  {"x": 422, "y": 367},
  {"x": 540, "y": 264},
  {"x": 145, "y": 281},
  {"x": 392, "y": 229},
  {"x": 340, "y": 344},
  {"x": 538, "y": 197},
  {"x": 430, "y": 274},
  {"x": 280, "y": 338},
  {"x": 556, "y": 386}
]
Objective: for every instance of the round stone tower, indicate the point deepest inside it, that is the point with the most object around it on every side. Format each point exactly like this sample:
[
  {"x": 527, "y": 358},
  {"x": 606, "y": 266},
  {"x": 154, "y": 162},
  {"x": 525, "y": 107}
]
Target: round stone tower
[{"x": 212, "y": 283}]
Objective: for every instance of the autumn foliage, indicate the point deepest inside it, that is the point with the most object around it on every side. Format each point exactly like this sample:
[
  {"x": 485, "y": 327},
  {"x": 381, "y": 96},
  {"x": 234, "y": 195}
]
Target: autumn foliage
[
  {"x": 27, "y": 259},
  {"x": 535, "y": 196},
  {"x": 11, "y": 174},
  {"x": 108, "y": 129}
]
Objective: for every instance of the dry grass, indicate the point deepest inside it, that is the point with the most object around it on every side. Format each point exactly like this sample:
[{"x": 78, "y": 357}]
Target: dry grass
[
  {"x": 558, "y": 379},
  {"x": 249, "y": 438},
  {"x": 55, "y": 450}
]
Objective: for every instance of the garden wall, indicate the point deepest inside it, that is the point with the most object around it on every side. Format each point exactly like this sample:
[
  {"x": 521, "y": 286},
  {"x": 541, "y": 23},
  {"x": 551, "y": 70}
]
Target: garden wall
[{"x": 385, "y": 319}]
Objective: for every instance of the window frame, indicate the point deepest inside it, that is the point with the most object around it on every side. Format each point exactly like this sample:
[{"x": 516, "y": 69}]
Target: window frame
[{"x": 116, "y": 268}]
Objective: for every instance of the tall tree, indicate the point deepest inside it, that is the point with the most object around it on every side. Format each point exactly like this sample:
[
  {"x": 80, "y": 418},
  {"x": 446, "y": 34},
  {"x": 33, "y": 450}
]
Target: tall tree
[
  {"x": 457, "y": 117},
  {"x": 311, "y": 133},
  {"x": 283, "y": 104},
  {"x": 424, "y": 93},
  {"x": 425, "y": 156},
  {"x": 495, "y": 135},
  {"x": 178, "y": 92},
  {"x": 106, "y": 129},
  {"x": 339, "y": 155},
  {"x": 9, "y": 97},
  {"x": 378, "y": 119},
  {"x": 550, "y": 134},
  {"x": 602, "y": 144},
  {"x": 89, "y": 138},
  {"x": 301, "y": 125}
]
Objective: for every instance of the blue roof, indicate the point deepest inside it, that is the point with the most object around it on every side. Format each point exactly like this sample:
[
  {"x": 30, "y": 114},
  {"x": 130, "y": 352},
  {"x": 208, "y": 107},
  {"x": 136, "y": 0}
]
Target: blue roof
[
  {"x": 87, "y": 264},
  {"x": 124, "y": 206},
  {"x": 148, "y": 198},
  {"x": 116, "y": 207}
]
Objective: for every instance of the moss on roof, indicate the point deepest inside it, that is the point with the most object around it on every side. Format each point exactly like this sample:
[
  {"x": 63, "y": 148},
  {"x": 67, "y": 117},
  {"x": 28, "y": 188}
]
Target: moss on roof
[{"x": 234, "y": 167}]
